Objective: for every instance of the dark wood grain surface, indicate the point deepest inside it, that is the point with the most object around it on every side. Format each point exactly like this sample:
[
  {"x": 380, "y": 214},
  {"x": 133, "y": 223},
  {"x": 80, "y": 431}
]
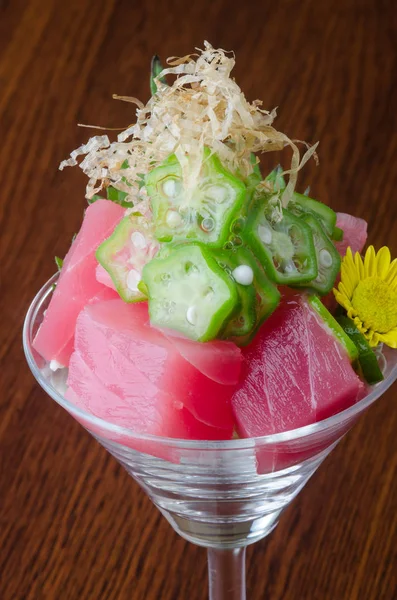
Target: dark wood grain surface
[{"x": 73, "y": 525}]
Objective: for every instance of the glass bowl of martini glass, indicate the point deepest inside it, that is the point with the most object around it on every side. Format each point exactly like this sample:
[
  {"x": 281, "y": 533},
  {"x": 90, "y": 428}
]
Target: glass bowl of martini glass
[{"x": 220, "y": 495}]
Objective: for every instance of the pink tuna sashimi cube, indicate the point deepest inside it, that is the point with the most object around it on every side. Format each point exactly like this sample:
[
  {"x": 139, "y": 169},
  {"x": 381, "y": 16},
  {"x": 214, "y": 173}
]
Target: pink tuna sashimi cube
[
  {"x": 355, "y": 236},
  {"x": 295, "y": 373},
  {"x": 63, "y": 314},
  {"x": 334, "y": 383},
  {"x": 117, "y": 343},
  {"x": 219, "y": 360},
  {"x": 155, "y": 413},
  {"x": 273, "y": 395},
  {"x": 77, "y": 283},
  {"x": 355, "y": 233}
]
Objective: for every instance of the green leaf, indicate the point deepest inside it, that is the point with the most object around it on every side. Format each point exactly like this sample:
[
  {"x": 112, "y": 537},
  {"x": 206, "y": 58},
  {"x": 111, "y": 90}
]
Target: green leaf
[
  {"x": 156, "y": 68},
  {"x": 115, "y": 195},
  {"x": 59, "y": 262},
  {"x": 126, "y": 204},
  {"x": 118, "y": 196},
  {"x": 125, "y": 180},
  {"x": 337, "y": 234},
  {"x": 256, "y": 168},
  {"x": 141, "y": 180}
]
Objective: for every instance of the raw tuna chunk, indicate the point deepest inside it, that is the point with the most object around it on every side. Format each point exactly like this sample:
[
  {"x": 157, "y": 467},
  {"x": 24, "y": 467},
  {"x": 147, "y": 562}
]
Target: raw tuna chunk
[
  {"x": 140, "y": 407},
  {"x": 77, "y": 284},
  {"x": 218, "y": 360},
  {"x": 295, "y": 373},
  {"x": 134, "y": 361},
  {"x": 355, "y": 233},
  {"x": 355, "y": 236}
]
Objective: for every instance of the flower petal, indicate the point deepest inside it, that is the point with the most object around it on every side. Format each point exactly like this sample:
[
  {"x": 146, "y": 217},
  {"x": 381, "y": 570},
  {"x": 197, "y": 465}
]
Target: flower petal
[
  {"x": 372, "y": 337},
  {"x": 358, "y": 261},
  {"x": 370, "y": 262},
  {"x": 389, "y": 338},
  {"x": 391, "y": 277},
  {"x": 346, "y": 288},
  {"x": 352, "y": 279},
  {"x": 383, "y": 259},
  {"x": 348, "y": 259},
  {"x": 342, "y": 299},
  {"x": 352, "y": 314},
  {"x": 349, "y": 275}
]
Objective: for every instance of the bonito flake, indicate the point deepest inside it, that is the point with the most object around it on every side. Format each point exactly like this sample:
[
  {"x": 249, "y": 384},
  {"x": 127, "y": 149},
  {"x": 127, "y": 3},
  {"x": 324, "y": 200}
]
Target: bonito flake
[{"x": 203, "y": 106}]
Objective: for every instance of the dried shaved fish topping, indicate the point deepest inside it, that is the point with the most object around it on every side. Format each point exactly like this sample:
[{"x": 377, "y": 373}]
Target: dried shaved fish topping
[{"x": 203, "y": 107}]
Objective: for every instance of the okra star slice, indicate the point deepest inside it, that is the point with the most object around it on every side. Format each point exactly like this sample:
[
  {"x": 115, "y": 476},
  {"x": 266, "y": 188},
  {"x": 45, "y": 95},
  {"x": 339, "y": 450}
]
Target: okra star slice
[
  {"x": 164, "y": 187},
  {"x": 328, "y": 258},
  {"x": 206, "y": 213},
  {"x": 301, "y": 205},
  {"x": 124, "y": 254},
  {"x": 189, "y": 292},
  {"x": 284, "y": 248},
  {"x": 258, "y": 299}
]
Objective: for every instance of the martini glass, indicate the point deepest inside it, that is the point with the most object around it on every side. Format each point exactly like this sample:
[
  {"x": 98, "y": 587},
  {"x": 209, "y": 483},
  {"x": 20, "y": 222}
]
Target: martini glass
[{"x": 221, "y": 495}]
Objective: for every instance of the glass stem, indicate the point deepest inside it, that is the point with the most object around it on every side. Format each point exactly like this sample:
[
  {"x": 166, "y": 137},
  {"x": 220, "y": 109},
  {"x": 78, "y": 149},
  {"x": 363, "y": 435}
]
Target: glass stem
[{"x": 226, "y": 574}]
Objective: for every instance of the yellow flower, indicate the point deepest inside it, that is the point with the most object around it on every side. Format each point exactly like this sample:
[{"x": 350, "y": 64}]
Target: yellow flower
[{"x": 368, "y": 292}]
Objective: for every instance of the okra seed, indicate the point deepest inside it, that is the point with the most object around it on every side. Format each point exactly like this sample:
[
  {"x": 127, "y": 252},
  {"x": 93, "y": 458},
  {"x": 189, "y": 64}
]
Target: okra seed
[
  {"x": 166, "y": 279},
  {"x": 217, "y": 193},
  {"x": 290, "y": 267},
  {"x": 325, "y": 258},
  {"x": 237, "y": 225},
  {"x": 243, "y": 274},
  {"x": 133, "y": 278},
  {"x": 169, "y": 306},
  {"x": 169, "y": 188},
  {"x": 265, "y": 234},
  {"x": 207, "y": 224},
  {"x": 191, "y": 315},
  {"x": 173, "y": 219},
  {"x": 236, "y": 240},
  {"x": 138, "y": 240}
]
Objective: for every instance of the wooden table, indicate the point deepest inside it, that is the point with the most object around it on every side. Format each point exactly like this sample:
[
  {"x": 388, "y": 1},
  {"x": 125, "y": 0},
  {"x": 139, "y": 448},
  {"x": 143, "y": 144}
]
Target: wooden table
[{"x": 73, "y": 525}]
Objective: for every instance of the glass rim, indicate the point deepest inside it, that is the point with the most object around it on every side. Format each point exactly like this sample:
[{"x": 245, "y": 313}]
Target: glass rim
[{"x": 233, "y": 444}]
